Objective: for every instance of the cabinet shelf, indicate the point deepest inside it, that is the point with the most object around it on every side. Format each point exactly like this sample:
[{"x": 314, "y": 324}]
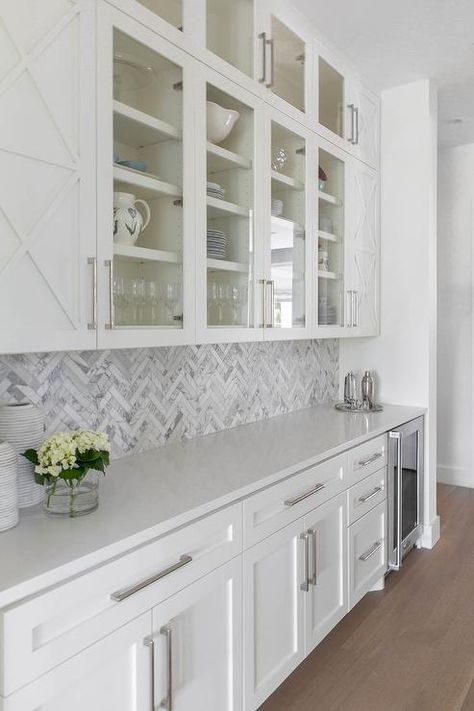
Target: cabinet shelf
[
  {"x": 149, "y": 185},
  {"x": 331, "y": 199},
  {"x": 328, "y": 236},
  {"x": 143, "y": 254},
  {"x": 283, "y": 223},
  {"x": 136, "y": 128},
  {"x": 220, "y": 159},
  {"x": 286, "y": 181},
  {"x": 221, "y": 265},
  {"x": 221, "y": 208},
  {"x": 328, "y": 275}
]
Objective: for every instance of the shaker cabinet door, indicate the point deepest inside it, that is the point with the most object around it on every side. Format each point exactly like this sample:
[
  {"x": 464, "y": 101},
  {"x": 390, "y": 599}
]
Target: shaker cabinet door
[{"x": 47, "y": 176}]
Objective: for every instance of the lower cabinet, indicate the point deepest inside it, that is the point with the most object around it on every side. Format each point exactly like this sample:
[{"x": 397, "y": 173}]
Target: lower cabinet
[
  {"x": 367, "y": 552},
  {"x": 295, "y": 591},
  {"x": 112, "y": 675}
]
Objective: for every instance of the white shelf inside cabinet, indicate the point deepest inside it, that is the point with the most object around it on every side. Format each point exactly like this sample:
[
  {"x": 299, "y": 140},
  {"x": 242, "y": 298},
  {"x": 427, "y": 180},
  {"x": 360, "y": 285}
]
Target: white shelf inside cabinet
[
  {"x": 149, "y": 185},
  {"x": 136, "y": 128},
  {"x": 143, "y": 254},
  {"x": 221, "y": 208},
  {"x": 327, "y": 236},
  {"x": 222, "y": 265},
  {"x": 220, "y": 159},
  {"x": 328, "y": 275},
  {"x": 331, "y": 199},
  {"x": 286, "y": 181},
  {"x": 286, "y": 224}
]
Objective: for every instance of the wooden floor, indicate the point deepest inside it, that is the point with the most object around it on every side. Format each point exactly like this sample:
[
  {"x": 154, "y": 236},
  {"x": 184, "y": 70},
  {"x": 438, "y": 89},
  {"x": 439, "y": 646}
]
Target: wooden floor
[{"x": 408, "y": 648}]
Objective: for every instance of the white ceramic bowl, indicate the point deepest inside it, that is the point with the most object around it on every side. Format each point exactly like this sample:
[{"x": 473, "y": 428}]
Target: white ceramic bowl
[{"x": 220, "y": 122}]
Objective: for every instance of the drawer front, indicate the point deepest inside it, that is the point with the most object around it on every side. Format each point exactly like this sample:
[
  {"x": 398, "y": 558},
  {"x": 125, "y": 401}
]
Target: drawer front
[
  {"x": 366, "y": 459},
  {"x": 367, "y": 552},
  {"x": 364, "y": 496},
  {"x": 47, "y": 629},
  {"x": 275, "y": 507}
]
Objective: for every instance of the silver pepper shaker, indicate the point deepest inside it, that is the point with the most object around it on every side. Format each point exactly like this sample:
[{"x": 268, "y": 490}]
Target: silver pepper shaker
[
  {"x": 350, "y": 389},
  {"x": 368, "y": 398}
]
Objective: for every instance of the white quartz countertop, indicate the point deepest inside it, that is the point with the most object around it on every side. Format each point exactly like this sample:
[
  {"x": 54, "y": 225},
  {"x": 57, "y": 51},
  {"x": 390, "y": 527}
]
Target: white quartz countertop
[{"x": 145, "y": 495}]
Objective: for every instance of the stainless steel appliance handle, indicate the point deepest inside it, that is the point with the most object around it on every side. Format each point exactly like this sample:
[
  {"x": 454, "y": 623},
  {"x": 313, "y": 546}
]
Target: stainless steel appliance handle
[
  {"x": 263, "y": 282},
  {"x": 372, "y": 458},
  {"x": 263, "y": 36},
  {"x": 120, "y": 595},
  {"x": 92, "y": 325},
  {"x": 110, "y": 264},
  {"x": 271, "y": 83},
  {"x": 364, "y": 499},
  {"x": 398, "y": 514},
  {"x": 351, "y": 108},
  {"x": 167, "y": 702},
  {"x": 301, "y": 497},
  {"x": 372, "y": 551},
  {"x": 150, "y": 643},
  {"x": 356, "y": 142},
  {"x": 313, "y": 579},
  {"x": 305, "y": 584}
]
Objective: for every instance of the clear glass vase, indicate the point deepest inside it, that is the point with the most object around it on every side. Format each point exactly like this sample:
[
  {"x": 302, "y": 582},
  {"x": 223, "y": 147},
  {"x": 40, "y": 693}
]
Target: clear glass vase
[{"x": 73, "y": 497}]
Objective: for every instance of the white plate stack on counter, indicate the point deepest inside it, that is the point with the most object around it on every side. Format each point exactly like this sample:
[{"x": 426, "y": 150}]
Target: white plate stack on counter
[{"x": 8, "y": 487}]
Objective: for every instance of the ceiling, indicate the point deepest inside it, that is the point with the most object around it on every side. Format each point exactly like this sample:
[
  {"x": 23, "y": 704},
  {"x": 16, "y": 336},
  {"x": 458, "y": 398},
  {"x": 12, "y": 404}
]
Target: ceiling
[{"x": 395, "y": 43}]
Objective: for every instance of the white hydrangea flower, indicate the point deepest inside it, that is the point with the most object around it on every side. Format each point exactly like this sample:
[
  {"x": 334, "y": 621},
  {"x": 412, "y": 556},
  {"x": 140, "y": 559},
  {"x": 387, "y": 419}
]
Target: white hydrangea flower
[
  {"x": 56, "y": 454},
  {"x": 87, "y": 440}
]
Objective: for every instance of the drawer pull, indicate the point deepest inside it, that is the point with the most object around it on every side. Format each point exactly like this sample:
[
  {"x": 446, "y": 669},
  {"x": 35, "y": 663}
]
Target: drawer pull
[
  {"x": 364, "y": 499},
  {"x": 372, "y": 551},
  {"x": 373, "y": 458},
  {"x": 301, "y": 497},
  {"x": 120, "y": 595}
]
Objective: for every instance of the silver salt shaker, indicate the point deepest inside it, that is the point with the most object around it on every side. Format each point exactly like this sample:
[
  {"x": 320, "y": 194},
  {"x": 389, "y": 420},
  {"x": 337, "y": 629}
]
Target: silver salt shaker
[{"x": 368, "y": 398}]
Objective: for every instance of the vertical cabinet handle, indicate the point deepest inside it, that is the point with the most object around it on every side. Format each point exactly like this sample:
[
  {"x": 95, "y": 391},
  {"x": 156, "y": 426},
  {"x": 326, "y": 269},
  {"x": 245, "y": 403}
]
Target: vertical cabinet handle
[
  {"x": 356, "y": 140},
  {"x": 150, "y": 643},
  {"x": 271, "y": 83},
  {"x": 92, "y": 325},
  {"x": 351, "y": 108},
  {"x": 271, "y": 322},
  {"x": 305, "y": 584},
  {"x": 313, "y": 580},
  {"x": 349, "y": 309},
  {"x": 263, "y": 36},
  {"x": 355, "y": 309},
  {"x": 263, "y": 283},
  {"x": 167, "y": 702},
  {"x": 110, "y": 325}
]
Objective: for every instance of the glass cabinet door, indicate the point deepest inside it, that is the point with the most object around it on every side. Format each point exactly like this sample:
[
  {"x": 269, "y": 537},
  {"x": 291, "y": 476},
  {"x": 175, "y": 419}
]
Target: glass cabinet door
[
  {"x": 169, "y": 10},
  {"x": 230, "y": 32},
  {"x": 331, "y": 235},
  {"x": 287, "y": 281},
  {"x": 287, "y": 64}
]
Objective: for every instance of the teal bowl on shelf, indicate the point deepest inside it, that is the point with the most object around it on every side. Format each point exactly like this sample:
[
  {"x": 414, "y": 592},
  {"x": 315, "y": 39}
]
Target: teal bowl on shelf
[{"x": 134, "y": 164}]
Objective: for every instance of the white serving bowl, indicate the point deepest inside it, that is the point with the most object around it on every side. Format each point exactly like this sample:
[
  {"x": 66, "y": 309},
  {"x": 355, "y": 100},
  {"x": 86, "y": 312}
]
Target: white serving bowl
[{"x": 220, "y": 122}]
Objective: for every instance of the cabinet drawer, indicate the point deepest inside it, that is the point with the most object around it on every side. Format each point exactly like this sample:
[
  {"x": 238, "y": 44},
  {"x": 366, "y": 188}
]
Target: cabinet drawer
[
  {"x": 366, "y": 459},
  {"x": 270, "y": 510},
  {"x": 45, "y": 630},
  {"x": 367, "y": 552},
  {"x": 369, "y": 492}
]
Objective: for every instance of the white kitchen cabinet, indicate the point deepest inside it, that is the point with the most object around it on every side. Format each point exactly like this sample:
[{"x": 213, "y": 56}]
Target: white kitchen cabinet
[
  {"x": 112, "y": 675},
  {"x": 365, "y": 136},
  {"x": 47, "y": 176},
  {"x": 367, "y": 540},
  {"x": 197, "y": 644}
]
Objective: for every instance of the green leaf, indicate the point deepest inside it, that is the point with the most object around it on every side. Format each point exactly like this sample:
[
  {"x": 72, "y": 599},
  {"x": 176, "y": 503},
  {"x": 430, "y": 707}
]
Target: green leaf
[
  {"x": 76, "y": 473},
  {"x": 89, "y": 456},
  {"x": 31, "y": 455},
  {"x": 41, "y": 479}
]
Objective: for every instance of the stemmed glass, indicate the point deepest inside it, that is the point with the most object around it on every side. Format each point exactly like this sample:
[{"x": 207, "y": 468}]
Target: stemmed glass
[
  {"x": 172, "y": 301},
  {"x": 120, "y": 300},
  {"x": 153, "y": 301}
]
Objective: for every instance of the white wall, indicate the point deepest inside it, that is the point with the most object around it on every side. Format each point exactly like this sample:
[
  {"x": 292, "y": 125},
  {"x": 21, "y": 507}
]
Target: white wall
[
  {"x": 403, "y": 358},
  {"x": 455, "y": 353}
]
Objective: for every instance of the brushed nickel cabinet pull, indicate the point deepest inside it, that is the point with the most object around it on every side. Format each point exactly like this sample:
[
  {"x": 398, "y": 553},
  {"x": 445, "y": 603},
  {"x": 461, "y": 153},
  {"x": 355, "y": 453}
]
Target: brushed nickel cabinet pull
[
  {"x": 92, "y": 325},
  {"x": 120, "y": 595},
  {"x": 364, "y": 499},
  {"x": 110, "y": 264},
  {"x": 150, "y": 643},
  {"x": 305, "y": 584},
  {"x": 263, "y": 36},
  {"x": 372, "y": 551},
  {"x": 167, "y": 702},
  {"x": 313, "y": 580},
  {"x": 373, "y": 458},
  {"x": 301, "y": 497}
]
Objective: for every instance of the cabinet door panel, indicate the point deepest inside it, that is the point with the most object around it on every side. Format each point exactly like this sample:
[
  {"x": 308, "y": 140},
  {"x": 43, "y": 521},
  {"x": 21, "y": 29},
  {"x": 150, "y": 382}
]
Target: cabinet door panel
[
  {"x": 367, "y": 552},
  {"x": 326, "y": 603},
  {"x": 273, "y": 612},
  {"x": 47, "y": 177},
  {"x": 112, "y": 675},
  {"x": 367, "y": 126},
  {"x": 197, "y": 636}
]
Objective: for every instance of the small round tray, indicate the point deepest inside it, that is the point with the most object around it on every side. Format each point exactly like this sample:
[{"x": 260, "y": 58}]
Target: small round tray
[{"x": 344, "y": 407}]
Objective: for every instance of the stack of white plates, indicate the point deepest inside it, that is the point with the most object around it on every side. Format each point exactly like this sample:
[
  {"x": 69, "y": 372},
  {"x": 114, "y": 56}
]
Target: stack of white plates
[
  {"x": 22, "y": 426},
  {"x": 277, "y": 207},
  {"x": 8, "y": 491},
  {"x": 215, "y": 190},
  {"x": 216, "y": 244}
]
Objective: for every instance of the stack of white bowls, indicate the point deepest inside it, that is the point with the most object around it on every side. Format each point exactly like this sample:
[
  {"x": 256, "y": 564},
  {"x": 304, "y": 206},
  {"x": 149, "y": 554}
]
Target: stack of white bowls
[
  {"x": 22, "y": 426},
  {"x": 8, "y": 489}
]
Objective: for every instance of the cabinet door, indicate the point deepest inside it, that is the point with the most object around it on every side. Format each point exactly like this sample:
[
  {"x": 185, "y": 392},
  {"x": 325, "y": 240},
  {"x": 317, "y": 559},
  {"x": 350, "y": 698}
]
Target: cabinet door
[
  {"x": 363, "y": 251},
  {"x": 326, "y": 603},
  {"x": 198, "y": 650},
  {"x": 274, "y": 578},
  {"x": 290, "y": 164},
  {"x": 366, "y": 129},
  {"x": 112, "y": 675},
  {"x": 47, "y": 176},
  {"x": 146, "y": 192},
  {"x": 335, "y": 111}
]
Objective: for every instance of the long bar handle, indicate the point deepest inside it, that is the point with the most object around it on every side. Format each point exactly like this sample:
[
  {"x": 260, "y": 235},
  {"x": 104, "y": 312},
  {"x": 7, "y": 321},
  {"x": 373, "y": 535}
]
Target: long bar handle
[
  {"x": 355, "y": 318},
  {"x": 399, "y": 512},
  {"x": 110, "y": 264},
  {"x": 313, "y": 580},
  {"x": 150, "y": 643},
  {"x": 167, "y": 702},
  {"x": 263, "y": 283},
  {"x": 120, "y": 595},
  {"x": 301, "y": 497},
  {"x": 263, "y": 36},
  {"x": 305, "y": 584},
  {"x": 364, "y": 499},
  {"x": 92, "y": 325},
  {"x": 271, "y": 43},
  {"x": 356, "y": 111},
  {"x": 351, "y": 108},
  {"x": 271, "y": 284},
  {"x": 350, "y": 309},
  {"x": 372, "y": 551},
  {"x": 372, "y": 458}
]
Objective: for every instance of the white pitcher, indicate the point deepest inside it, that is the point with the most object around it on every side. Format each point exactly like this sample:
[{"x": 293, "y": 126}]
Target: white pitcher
[{"x": 128, "y": 221}]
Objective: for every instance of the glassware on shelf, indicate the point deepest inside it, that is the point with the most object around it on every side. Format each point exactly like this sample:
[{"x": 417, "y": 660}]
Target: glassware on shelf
[
  {"x": 279, "y": 158},
  {"x": 172, "y": 300},
  {"x": 130, "y": 73}
]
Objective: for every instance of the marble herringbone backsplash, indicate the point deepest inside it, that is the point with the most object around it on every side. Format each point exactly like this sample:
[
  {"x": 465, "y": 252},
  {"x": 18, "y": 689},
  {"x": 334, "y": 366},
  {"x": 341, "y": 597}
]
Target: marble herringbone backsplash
[{"x": 144, "y": 398}]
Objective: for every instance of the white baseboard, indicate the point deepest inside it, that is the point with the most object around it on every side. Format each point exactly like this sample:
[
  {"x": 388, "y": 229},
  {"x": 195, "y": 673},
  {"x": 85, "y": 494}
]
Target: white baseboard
[
  {"x": 455, "y": 476},
  {"x": 431, "y": 533}
]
